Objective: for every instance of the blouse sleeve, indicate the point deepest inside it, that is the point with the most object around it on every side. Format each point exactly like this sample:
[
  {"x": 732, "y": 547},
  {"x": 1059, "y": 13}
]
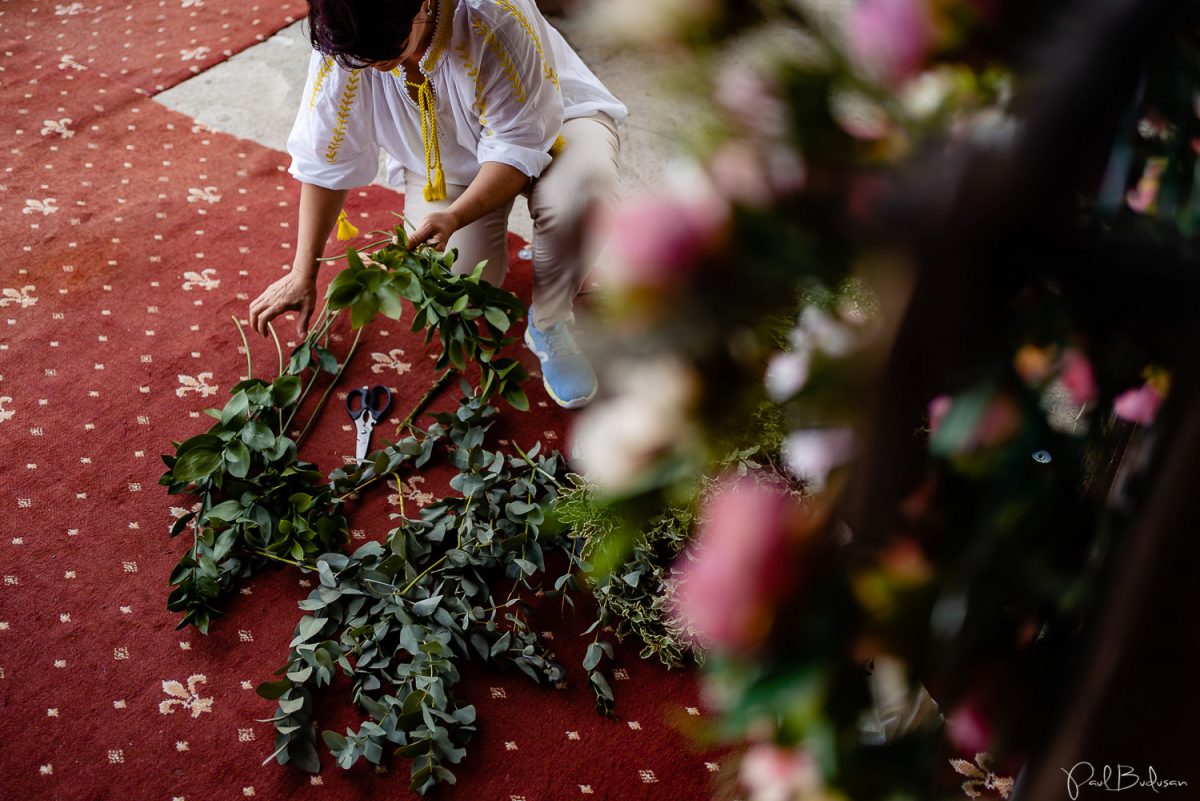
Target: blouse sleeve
[
  {"x": 517, "y": 85},
  {"x": 332, "y": 143}
]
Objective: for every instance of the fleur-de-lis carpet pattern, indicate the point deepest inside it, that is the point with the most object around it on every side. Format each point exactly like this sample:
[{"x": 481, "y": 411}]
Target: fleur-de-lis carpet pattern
[
  {"x": 149, "y": 44},
  {"x": 126, "y": 249}
]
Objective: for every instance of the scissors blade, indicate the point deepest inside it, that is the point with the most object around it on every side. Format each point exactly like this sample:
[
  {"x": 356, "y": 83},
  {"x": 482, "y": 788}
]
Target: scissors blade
[{"x": 362, "y": 442}]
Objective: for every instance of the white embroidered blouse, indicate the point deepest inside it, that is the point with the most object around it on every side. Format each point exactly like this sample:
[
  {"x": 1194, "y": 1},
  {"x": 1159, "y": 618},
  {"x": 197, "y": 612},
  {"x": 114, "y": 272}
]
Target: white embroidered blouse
[{"x": 503, "y": 82}]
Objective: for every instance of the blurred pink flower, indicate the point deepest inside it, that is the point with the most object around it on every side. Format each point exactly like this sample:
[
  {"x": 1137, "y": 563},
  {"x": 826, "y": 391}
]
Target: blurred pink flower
[
  {"x": 655, "y": 240},
  {"x": 734, "y": 573},
  {"x": 999, "y": 421},
  {"x": 752, "y": 100},
  {"x": 739, "y": 173},
  {"x": 1077, "y": 377},
  {"x": 773, "y": 773},
  {"x": 1141, "y": 198},
  {"x": 1138, "y": 405},
  {"x": 968, "y": 729},
  {"x": 995, "y": 423},
  {"x": 889, "y": 39},
  {"x": 938, "y": 408}
]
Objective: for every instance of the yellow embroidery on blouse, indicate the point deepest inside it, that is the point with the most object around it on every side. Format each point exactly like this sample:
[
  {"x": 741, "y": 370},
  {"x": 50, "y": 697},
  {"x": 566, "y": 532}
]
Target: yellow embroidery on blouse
[
  {"x": 343, "y": 117},
  {"x": 503, "y": 58},
  {"x": 547, "y": 71},
  {"x": 441, "y": 38},
  {"x": 322, "y": 73},
  {"x": 472, "y": 72}
]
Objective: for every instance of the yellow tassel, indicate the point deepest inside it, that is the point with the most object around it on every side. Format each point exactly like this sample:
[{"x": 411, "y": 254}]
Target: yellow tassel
[
  {"x": 345, "y": 228},
  {"x": 435, "y": 178},
  {"x": 557, "y": 147},
  {"x": 438, "y": 190}
]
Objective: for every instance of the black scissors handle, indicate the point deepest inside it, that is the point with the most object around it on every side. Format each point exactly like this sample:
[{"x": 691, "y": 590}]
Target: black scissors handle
[{"x": 375, "y": 401}]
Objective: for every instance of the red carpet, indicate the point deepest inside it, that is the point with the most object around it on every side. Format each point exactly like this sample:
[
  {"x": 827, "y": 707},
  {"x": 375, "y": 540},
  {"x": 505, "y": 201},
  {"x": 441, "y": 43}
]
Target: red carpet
[
  {"x": 149, "y": 45},
  {"x": 128, "y": 242}
]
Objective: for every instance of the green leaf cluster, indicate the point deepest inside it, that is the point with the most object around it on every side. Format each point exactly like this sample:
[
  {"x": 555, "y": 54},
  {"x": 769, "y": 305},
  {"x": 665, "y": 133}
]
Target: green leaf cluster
[
  {"x": 469, "y": 316},
  {"x": 257, "y": 500},
  {"x": 628, "y": 569},
  {"x": 398, "y": 617}
]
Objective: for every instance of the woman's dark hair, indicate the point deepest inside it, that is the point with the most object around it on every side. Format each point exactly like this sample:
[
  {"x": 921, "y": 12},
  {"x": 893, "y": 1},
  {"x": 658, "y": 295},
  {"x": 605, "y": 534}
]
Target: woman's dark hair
[{"x": 359, "y": 32}]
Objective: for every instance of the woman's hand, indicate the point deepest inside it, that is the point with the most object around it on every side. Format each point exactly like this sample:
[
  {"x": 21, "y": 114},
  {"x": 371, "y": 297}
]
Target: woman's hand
[
  {"x": 435, "y": 230},
  {"x": 296, "y": 291}
]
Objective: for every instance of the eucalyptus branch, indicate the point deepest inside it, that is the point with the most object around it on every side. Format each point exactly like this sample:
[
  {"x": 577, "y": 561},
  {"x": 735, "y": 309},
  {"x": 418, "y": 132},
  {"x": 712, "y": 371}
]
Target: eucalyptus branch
[
  {"x": 374, "y": 244},
  {"x": 329, "y": 389},
  {"x": 530, "y": 462},
  {"x": 441, "y": 383},
  {"x": 277, "y": 558}
]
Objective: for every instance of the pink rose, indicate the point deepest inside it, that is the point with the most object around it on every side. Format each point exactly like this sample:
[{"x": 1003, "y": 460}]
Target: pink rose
[
  {"x": 890, "y": 39},
  {"x": 1078, "y": 378},
  {"x": 938, "y": 408},
  {"x": 739, "y": 565},
  {"x": 994, "y": 424},
  {"x": 751, "y": 100},
  {"x": 773, "y": 773},
  {"x": 968, "y": 729},
  {"x": 656, "y": 240},
  {"x": 1138, "y": 405},
  {"x": 739, "y": 173},
  {"x": 1142, "y": 197},
  {"x": 999, "y": 421}
]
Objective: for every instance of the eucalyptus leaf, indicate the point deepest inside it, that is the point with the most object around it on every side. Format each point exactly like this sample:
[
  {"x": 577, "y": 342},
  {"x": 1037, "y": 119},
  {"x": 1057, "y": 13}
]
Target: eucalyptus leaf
[
  {"x": 196, "y": 464},
  {"x": 257, "y": 436}
]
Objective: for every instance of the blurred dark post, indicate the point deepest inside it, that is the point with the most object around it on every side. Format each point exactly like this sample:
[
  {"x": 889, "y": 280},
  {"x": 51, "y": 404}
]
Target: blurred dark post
[{"x": 977, "y": 238}]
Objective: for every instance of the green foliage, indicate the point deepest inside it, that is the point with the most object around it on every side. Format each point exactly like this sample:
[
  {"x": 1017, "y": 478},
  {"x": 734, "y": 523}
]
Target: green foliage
[
  {"x": 634, "y": 588},
  {"x": 258, "y": 501},
  {"x": 469, "y": 316},
  {"x": 397, "y": 617}
]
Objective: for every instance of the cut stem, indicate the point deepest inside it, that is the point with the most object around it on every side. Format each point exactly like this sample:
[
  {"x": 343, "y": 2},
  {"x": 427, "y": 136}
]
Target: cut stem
[
  {"x": 426, "y": 399},
  {"x": 529, "y": 462},
  {"x": 329, "y": 389},
  {"x": 293, "y": 562},
  {"x": 367, "y": 246},
  {"x": 278, "y": 349},
  {"x": 246, "y": 345},
  {"x": 424, "y": 573}
]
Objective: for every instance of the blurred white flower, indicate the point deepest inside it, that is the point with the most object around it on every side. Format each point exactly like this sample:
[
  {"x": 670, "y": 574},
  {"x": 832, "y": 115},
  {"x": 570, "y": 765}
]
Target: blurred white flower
[
  {"x": 829, "y": 334},
  {"x": 774, "y": 773},
  {"x": 924, "y": 95},
  {"x": 646, "y": 418},
  {"x": 812, "y": 454},
  {"x": 787, "y": 373},
  {"x": 859, "y": 115}
]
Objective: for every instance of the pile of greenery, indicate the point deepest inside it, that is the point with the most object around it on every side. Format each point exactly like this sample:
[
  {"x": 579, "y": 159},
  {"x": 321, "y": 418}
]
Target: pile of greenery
[{"x": 397, "y": 616}]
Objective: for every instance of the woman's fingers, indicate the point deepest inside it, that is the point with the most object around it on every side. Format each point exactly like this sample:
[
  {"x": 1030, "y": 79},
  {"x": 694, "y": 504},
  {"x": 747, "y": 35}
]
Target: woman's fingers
[{"x": 302, "y": 319}]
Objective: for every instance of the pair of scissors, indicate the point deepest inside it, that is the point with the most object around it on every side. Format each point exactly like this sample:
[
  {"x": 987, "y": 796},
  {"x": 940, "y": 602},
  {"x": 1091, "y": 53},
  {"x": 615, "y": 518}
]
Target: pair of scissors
[{"x": 367, "y": 406}]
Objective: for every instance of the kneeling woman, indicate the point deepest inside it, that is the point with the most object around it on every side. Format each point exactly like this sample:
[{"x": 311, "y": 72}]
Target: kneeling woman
[{"x": 474, "y": 102}]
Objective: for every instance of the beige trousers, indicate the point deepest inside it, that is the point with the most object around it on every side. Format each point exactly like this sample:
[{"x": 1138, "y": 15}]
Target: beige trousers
[{"x": 582, "y": 177}]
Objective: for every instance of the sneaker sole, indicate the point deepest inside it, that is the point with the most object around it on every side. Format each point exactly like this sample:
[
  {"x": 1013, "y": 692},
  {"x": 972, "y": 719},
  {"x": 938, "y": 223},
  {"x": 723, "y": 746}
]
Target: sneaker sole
[{"x": 573, "y": 404}]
